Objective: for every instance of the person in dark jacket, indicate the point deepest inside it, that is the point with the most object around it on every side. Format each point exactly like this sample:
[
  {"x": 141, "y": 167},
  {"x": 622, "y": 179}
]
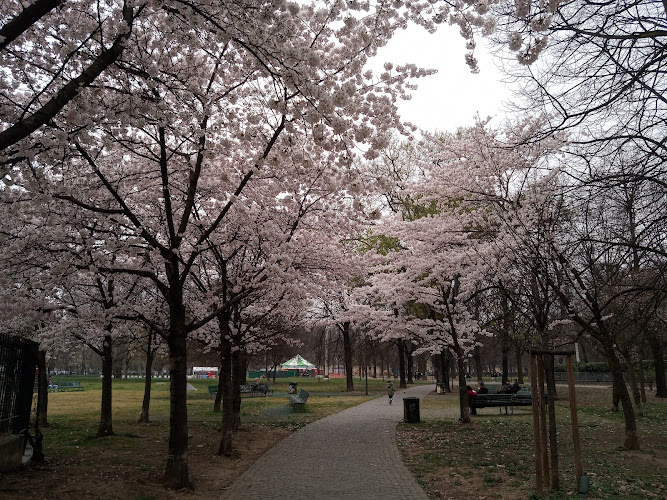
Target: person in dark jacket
[
  {"x": 390, "y": 391},
  {"x": 513, "y": 388},
  {"x": 481, "y": 389}
]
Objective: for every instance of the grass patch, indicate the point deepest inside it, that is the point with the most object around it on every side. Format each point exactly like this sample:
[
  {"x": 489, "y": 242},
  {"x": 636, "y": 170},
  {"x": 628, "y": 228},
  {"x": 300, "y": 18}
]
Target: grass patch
[
  {"x": 130, "y": 464},
  {"x": 74, "y": 415},
  {"x": 493, "y": 457}
]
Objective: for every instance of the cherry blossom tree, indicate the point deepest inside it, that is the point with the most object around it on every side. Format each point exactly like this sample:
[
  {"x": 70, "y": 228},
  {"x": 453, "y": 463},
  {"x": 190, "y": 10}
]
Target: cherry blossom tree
[
  {"x": 50, "y": 50},
  {"x": 207, "y": 100}
]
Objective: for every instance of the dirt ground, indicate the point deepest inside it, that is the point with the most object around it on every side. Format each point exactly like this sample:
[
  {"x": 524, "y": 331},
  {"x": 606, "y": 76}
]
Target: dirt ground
[
  {"x": 108, "y": 474},
  {"x": 498, "y": 461}
]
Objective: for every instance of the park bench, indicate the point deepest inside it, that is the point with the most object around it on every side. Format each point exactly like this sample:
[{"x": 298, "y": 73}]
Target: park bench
[
  {"x": 70, "y": 385},
  {"x": 298, "y": 401},
  {"x": 521, "y": 398},
  {"x": 246, "y": 390},
  {"x": 255, "y": 391}
]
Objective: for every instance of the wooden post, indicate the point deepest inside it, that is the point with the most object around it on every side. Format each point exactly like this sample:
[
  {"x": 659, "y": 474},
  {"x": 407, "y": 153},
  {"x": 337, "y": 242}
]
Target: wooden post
[
  {"x": 578, "y": 465},
  {"x": 543, "y": 422},
  {"x": 539, "y": 473}
]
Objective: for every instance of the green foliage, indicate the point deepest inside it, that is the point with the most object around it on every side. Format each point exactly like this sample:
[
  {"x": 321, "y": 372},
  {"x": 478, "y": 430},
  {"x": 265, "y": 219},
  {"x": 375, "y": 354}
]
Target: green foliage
[
  {"x": 414, "y": 210},
  {"x": 381, "y": 243},
  {"x": 597, "y": 367},
  {"x": 418, "y": 309}
]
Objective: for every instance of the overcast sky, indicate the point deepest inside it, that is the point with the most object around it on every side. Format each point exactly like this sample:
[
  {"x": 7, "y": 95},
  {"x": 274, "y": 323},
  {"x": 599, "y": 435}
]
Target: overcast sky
[{"x": 453, "y": 96}]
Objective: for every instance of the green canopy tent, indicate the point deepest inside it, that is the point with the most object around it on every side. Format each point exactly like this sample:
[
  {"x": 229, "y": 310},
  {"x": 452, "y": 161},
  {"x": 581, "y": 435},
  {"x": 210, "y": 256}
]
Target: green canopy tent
[{"x": 297, "y": 363}]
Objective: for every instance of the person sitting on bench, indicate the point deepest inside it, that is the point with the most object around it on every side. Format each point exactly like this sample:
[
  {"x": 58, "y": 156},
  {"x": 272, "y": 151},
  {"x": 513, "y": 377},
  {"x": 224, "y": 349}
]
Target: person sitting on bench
[
  {"x": 514, "y": 388},
  {"x": 471, "y": 394}
]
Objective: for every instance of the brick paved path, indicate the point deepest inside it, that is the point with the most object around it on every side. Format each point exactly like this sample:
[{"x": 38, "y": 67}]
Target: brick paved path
[{"x": 349, "y": 455}]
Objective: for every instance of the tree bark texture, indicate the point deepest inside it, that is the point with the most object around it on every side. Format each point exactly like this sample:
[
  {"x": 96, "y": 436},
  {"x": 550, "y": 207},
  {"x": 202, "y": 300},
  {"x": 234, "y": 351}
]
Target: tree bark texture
[
  {"x": 217, "y": 404},
  {"x": 106, "y": 421},
  {"x": 144, "y": 417},
  {"x": 347, "y": 350},
  {"x": 657, "y": 349},
  {"x": 227, "y": 402},
  {"x": 401, "y": 364},
  {"x": 634, "y": 385},
  {"x": 238, "y": 378},
  {"x": 410, "y": 360},
  {"x": 505, "y": 339},
  {"x": 176, "y": 474},
  {"x": 519, "y": 367},
  {"x": 549, "y": 372},
  {"x": 621, "y": 392},
  {"x": 464, "y": 399}
]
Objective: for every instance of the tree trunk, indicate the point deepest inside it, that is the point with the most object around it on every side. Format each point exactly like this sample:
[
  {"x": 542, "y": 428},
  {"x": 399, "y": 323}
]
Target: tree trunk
[
  {"x": 446, "y": 368},
  {"x": 217, "y": 404},
  {"x": 621, "y": 392},
  {"x": 505, "y": 356},
  {"x": 347, "y": 349},
  {"x": 464, "y": 399},
  {"x": 144, "y": 417},
  {"x": 401, "y": 364},
  {"x": 519, "y": 367},
  {"x": 632, "y": 376},
  {"x": 225, "y": 388},
  {"x": 642, "y": 380},
  {"x": 477, "y": 359},
  {"x": 410, "y": 360},
  {"x": 117, "y": 371},
  {"x": 176, "y": 474},
  {"x": 238, "y": 378},
  {"x": 659, "y": 363},
  {"x": 549, "y": 373},
  {"x": 42, "y": 393},
  {"x": 106, "y": 423},
  {"x": 439, "y": 366}
]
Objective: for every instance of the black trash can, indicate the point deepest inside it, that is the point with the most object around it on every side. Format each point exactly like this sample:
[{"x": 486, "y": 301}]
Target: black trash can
[
  {"x": 292, "y": 388},
  {"x": 440, "y": 388},
  {"x": 411, "y": 410}
]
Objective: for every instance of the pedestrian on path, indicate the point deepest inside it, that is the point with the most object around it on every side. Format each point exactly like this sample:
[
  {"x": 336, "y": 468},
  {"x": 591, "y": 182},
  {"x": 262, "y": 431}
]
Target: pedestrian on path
[{"x": 390, "y": 391}]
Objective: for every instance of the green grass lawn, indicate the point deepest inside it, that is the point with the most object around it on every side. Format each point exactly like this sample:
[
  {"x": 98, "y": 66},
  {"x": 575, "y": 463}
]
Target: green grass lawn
[
  {"x": 74, "y": 415},
  {"x": 490, "y": 458}
]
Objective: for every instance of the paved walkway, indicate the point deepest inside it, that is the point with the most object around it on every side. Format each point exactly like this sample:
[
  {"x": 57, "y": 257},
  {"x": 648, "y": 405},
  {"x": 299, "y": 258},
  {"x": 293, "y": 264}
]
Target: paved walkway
[{"x": 349, "y": 455}]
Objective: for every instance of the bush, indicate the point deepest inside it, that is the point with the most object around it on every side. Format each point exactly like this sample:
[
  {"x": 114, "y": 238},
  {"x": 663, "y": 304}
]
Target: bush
[
  {"x": 602, "y": 367},
  {"x": 598, "y": 367}
]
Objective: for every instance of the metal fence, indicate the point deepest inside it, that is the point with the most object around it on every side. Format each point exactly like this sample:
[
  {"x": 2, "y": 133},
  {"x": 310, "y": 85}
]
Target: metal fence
[{"x": 18, "y": 362}]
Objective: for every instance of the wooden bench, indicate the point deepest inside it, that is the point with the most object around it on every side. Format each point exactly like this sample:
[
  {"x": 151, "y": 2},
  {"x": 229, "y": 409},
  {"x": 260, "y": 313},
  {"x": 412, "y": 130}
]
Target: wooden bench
[
  {"x": 69, "y": 385},
  {"x": 298, "y": 401}
]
